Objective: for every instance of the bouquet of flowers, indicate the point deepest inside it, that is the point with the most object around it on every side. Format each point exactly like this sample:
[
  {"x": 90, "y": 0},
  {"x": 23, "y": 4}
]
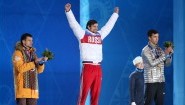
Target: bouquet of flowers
[
  {"x": 48, "y": 54},
  {"x": 168, "y": 44}
]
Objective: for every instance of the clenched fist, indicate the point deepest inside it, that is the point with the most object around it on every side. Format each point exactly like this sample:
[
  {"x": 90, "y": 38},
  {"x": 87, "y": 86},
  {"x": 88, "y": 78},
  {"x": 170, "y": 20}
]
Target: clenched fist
[
  {"x": 116, "y": 10},
  {"x": 67, "y": 7}
]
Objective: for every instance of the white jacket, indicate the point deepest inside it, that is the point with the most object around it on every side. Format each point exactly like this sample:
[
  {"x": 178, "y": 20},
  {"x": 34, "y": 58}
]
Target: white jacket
[{"x": 91, "y": 43}]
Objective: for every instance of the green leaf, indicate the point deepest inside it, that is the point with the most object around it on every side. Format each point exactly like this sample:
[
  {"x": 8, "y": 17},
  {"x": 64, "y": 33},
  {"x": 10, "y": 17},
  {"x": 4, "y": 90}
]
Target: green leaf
[
  {"x": 48, "y": 54},
  {"x": 168, "y": 44}
]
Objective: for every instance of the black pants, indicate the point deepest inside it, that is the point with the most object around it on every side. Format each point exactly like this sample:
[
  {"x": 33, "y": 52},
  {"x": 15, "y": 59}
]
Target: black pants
[
  {"x": 156, "y": 92},
  {"x": 26, "y": 101}
]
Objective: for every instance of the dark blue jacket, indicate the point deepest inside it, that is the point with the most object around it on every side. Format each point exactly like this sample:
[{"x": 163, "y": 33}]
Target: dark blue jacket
[{"x": 137, "y": 87}]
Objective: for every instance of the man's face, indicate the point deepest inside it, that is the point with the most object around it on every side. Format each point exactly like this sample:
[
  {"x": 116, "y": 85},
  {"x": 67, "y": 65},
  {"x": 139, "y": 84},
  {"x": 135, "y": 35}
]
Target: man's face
[
  {"x": 93, "y": 28},
  {"x": 28, "y": 42},
  {"x": 154, "y": 39}
]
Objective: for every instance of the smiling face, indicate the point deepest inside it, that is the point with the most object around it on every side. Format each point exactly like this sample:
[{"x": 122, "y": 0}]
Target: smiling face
[{"x": 93, "y": 28}]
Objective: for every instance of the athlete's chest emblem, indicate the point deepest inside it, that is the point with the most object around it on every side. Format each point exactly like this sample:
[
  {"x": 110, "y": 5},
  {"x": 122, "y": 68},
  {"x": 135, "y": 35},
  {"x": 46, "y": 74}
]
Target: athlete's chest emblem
[{"x": 92, "y": 39}]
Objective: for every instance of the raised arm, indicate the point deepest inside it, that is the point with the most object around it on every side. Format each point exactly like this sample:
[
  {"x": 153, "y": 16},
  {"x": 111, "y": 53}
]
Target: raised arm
[
  {"x": 105, "y": 30},
  {"x": 75, "y": 26}
]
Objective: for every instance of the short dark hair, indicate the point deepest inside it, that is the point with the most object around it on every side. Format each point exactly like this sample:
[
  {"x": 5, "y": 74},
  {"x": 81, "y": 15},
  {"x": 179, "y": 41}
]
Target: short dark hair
[
  {"x": 24, "y": 36},
  {"x": 151, "y": 32},
  {"x": 90, "y": 22}
]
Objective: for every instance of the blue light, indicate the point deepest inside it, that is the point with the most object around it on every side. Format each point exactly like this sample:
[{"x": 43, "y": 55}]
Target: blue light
[{"x": 84, "y": 17}]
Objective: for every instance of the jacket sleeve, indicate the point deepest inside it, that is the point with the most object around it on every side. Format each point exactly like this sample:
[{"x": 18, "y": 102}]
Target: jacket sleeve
[
  {"x": 168, "y": 61},
  {"x": 75, "y": 26},
  {"x": 105, "y": 30},
  {"x": 153, "y": 62},
  {"x": 40, "y": 68},
  {"x": 19, "y": 63},
  {"x": 132, "y": 87}
]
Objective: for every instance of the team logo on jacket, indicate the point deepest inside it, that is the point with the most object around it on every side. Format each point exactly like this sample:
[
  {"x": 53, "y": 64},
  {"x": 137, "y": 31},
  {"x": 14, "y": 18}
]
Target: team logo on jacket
[
  {"x": 92, "y": 39},
  {"x": 16, "y": 58}
]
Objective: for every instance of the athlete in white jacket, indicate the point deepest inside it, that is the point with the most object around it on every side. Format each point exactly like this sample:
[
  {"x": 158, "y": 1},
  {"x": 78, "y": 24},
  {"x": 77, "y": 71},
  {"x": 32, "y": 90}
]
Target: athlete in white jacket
[{"x": 90, "y": 41}]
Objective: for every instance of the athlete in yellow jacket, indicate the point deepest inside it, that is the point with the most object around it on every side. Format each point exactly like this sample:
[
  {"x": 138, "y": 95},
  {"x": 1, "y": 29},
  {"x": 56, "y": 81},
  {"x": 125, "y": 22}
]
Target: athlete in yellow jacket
[{"x": 26, "y": 69}]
